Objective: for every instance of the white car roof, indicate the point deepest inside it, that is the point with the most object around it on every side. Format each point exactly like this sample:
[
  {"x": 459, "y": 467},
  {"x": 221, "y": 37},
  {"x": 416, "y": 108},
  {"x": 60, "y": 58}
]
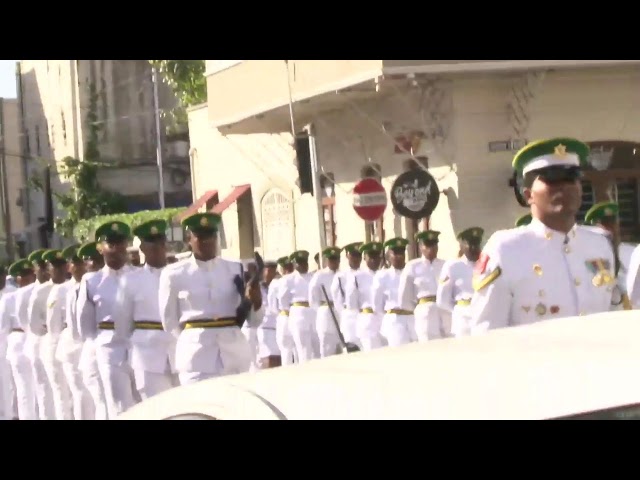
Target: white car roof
[{"x": 539, "y": 371}]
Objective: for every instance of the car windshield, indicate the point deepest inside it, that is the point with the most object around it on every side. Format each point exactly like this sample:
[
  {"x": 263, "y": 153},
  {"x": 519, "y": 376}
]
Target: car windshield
[{"x": 627, "y": 412}]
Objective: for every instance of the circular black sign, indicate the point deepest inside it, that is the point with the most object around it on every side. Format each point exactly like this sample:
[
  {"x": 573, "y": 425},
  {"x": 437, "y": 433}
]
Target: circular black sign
[{"x": 415, "y": 194}]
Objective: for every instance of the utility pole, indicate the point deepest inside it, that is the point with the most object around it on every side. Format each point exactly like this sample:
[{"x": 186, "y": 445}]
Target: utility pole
[{"x": 156, "y": 113}]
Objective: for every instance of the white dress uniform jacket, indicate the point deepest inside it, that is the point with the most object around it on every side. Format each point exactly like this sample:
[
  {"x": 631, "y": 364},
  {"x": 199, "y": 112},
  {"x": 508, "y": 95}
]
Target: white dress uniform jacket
[
  {"x": 286, "y": 345},
  {"x": 21, "y": 370},
  {"x": 632, "y": 280},
  {"x": 358, "y": 297},
  {"x": 533, "y": 273},
  {"x": 325, "y": 326},
  {"x": 294, "y": 298},
  {"x": 55, "y": 326},
  {"x": 417, "y": 292},
  {"x": 267, "y": 342},
  {"x": 138, "y": 324},
  {"x": 397, "y": 323},
  {"x": 348, "y": 317},
  {"x": 96, "y": 307},
  {"x": 37, "y": 326},
  {"x": 455, "y": 290},
  {"x": 192, "y": 290},
  {"x": 8, "y": 408}
]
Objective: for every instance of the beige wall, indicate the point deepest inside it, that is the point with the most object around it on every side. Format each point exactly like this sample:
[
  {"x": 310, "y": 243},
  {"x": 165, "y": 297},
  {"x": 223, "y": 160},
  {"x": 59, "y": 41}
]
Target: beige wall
[
  {"x": 13, "y": 166},
  {"x": 588, "y": 104}
]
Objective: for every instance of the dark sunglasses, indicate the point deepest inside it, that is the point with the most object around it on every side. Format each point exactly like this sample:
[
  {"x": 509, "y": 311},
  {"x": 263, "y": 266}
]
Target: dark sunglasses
[{"x": 552, "y": 176}]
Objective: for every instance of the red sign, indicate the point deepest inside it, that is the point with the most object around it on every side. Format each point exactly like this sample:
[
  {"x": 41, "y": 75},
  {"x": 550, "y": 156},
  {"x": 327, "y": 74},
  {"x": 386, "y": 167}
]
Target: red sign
[{"x": 369, "y": 199}]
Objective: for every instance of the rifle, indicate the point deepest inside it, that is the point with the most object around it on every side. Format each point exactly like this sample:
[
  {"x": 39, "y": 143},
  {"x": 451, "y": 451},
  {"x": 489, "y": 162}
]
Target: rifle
[
  {"x": 242, "y": 312},
  {"x": 346, "y": 346}
]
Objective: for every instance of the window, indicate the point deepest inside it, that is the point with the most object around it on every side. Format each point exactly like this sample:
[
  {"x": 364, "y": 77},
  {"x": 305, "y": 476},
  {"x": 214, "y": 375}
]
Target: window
[
  {"x": 37, "y": 134},
  {"x": 613, "y": 174},
  {"x": 374, "y": 231},
  {"x": 64, "y": 129},
  {"x": 413, "y": 226},
  {"x": 328, "y": 187}
]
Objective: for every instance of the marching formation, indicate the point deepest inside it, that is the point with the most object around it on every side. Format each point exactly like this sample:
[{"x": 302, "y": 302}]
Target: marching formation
[{"x": 86, "y": 335}]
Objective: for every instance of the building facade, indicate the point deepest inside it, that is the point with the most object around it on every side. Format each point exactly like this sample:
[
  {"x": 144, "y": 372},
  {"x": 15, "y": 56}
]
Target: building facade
[
  {"x": 64, "y": 102},
  {"x": 464, "y": 120},
  {"x": 12, "y": 179}
]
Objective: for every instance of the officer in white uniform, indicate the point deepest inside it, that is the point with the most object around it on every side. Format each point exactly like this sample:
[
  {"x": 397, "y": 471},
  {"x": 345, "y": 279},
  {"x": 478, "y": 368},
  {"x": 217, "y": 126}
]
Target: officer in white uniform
[
  {"x": 21, "y": 369},
  {"x": 96, "y": 309},
  {"x": 398, "y": 324},
  {"x": 201, "y": 304},
  {"x": 47, "y": 321},
  {"x": 551, "y": 268},
  {"x": 604, "y": 215},
  {"x": 322, "y": 302},
  {"x": 63, "y": 317},
  {"x": 358, "y": 297},
  {"x": 348, "y": 317},
  {"x": 87, "y": 363},
  {"x": 8, "y": 409},
  {"x": 294, "y": 298},
  {"x": 633, "y": 278},
  {"x": 268, "y": 350},
  {"x": 418, "y": 288},
  {"x": 286, "y": 345},
  {"x": 455, "y": 286},
  {"x": 34, "y": 318},
  {"x": 137, "y": 315}
]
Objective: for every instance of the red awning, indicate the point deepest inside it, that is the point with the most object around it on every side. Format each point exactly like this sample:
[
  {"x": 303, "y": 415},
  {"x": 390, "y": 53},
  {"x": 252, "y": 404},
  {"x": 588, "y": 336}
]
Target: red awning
[
  {"x": 195, "y": 206},
  {"x": 235, "y": 194}
]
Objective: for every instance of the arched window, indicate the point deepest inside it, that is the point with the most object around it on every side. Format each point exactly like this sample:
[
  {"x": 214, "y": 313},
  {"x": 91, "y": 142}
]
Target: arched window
[
  {"x": 277, "y": 224},
  {"x": 374, "y": 231},
  {"x": 613, "y": 174},
  {"x": 328, "y": 187}
]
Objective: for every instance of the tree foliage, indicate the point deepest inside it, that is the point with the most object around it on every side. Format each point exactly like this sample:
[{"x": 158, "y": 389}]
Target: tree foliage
[
  {"x": 85, "y": 229},
  {"x": 186, "y": 79},
  {"x": 86, "y": 198}
]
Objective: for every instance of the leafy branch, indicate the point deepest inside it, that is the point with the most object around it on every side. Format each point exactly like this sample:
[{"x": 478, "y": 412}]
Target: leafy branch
[{"x": 188, "y": 83}]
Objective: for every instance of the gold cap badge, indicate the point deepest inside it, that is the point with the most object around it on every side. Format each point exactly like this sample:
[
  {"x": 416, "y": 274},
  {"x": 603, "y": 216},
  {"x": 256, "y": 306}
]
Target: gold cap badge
[
  {"x": 560, "y": 151},
  {"x": 154, "y": 230},
  {"x": 204, "y": 222},
  {"x": 114, "y": 227}
]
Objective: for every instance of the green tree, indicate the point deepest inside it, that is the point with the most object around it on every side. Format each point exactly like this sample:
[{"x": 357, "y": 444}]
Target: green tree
[{"x": 186, "y": 79}]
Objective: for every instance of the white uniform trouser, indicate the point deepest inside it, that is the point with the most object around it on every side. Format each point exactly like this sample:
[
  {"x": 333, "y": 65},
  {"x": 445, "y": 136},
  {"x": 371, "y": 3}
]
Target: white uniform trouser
[
  {"x": 68, "y": 354},
  {"x": 116, "y": 376},
  {"x": 348, "y": 323},
  {"x": 62, "y": 400},
  {"x": 328, "y": 337},
  {"x": 88, "y": 367},
  {"x": 8, "y": 408},
  {"x": 398, "y": 329},
  {"x": 286, "y": 345},
  {"x": 22, "y": 374},
  {"x": 302, "y": 325},
  {"x": 42, "y": 387},
  {"x": 203, "y": 353},
  {"x": 251, "y": 334},
  {"x": 461, "y": 320},
  {"x": 267, "y": 342},
  {"x": 151, "y": 383},
  {"x": 368, "y": 330},
  {"x": 428, "y": 321}
]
